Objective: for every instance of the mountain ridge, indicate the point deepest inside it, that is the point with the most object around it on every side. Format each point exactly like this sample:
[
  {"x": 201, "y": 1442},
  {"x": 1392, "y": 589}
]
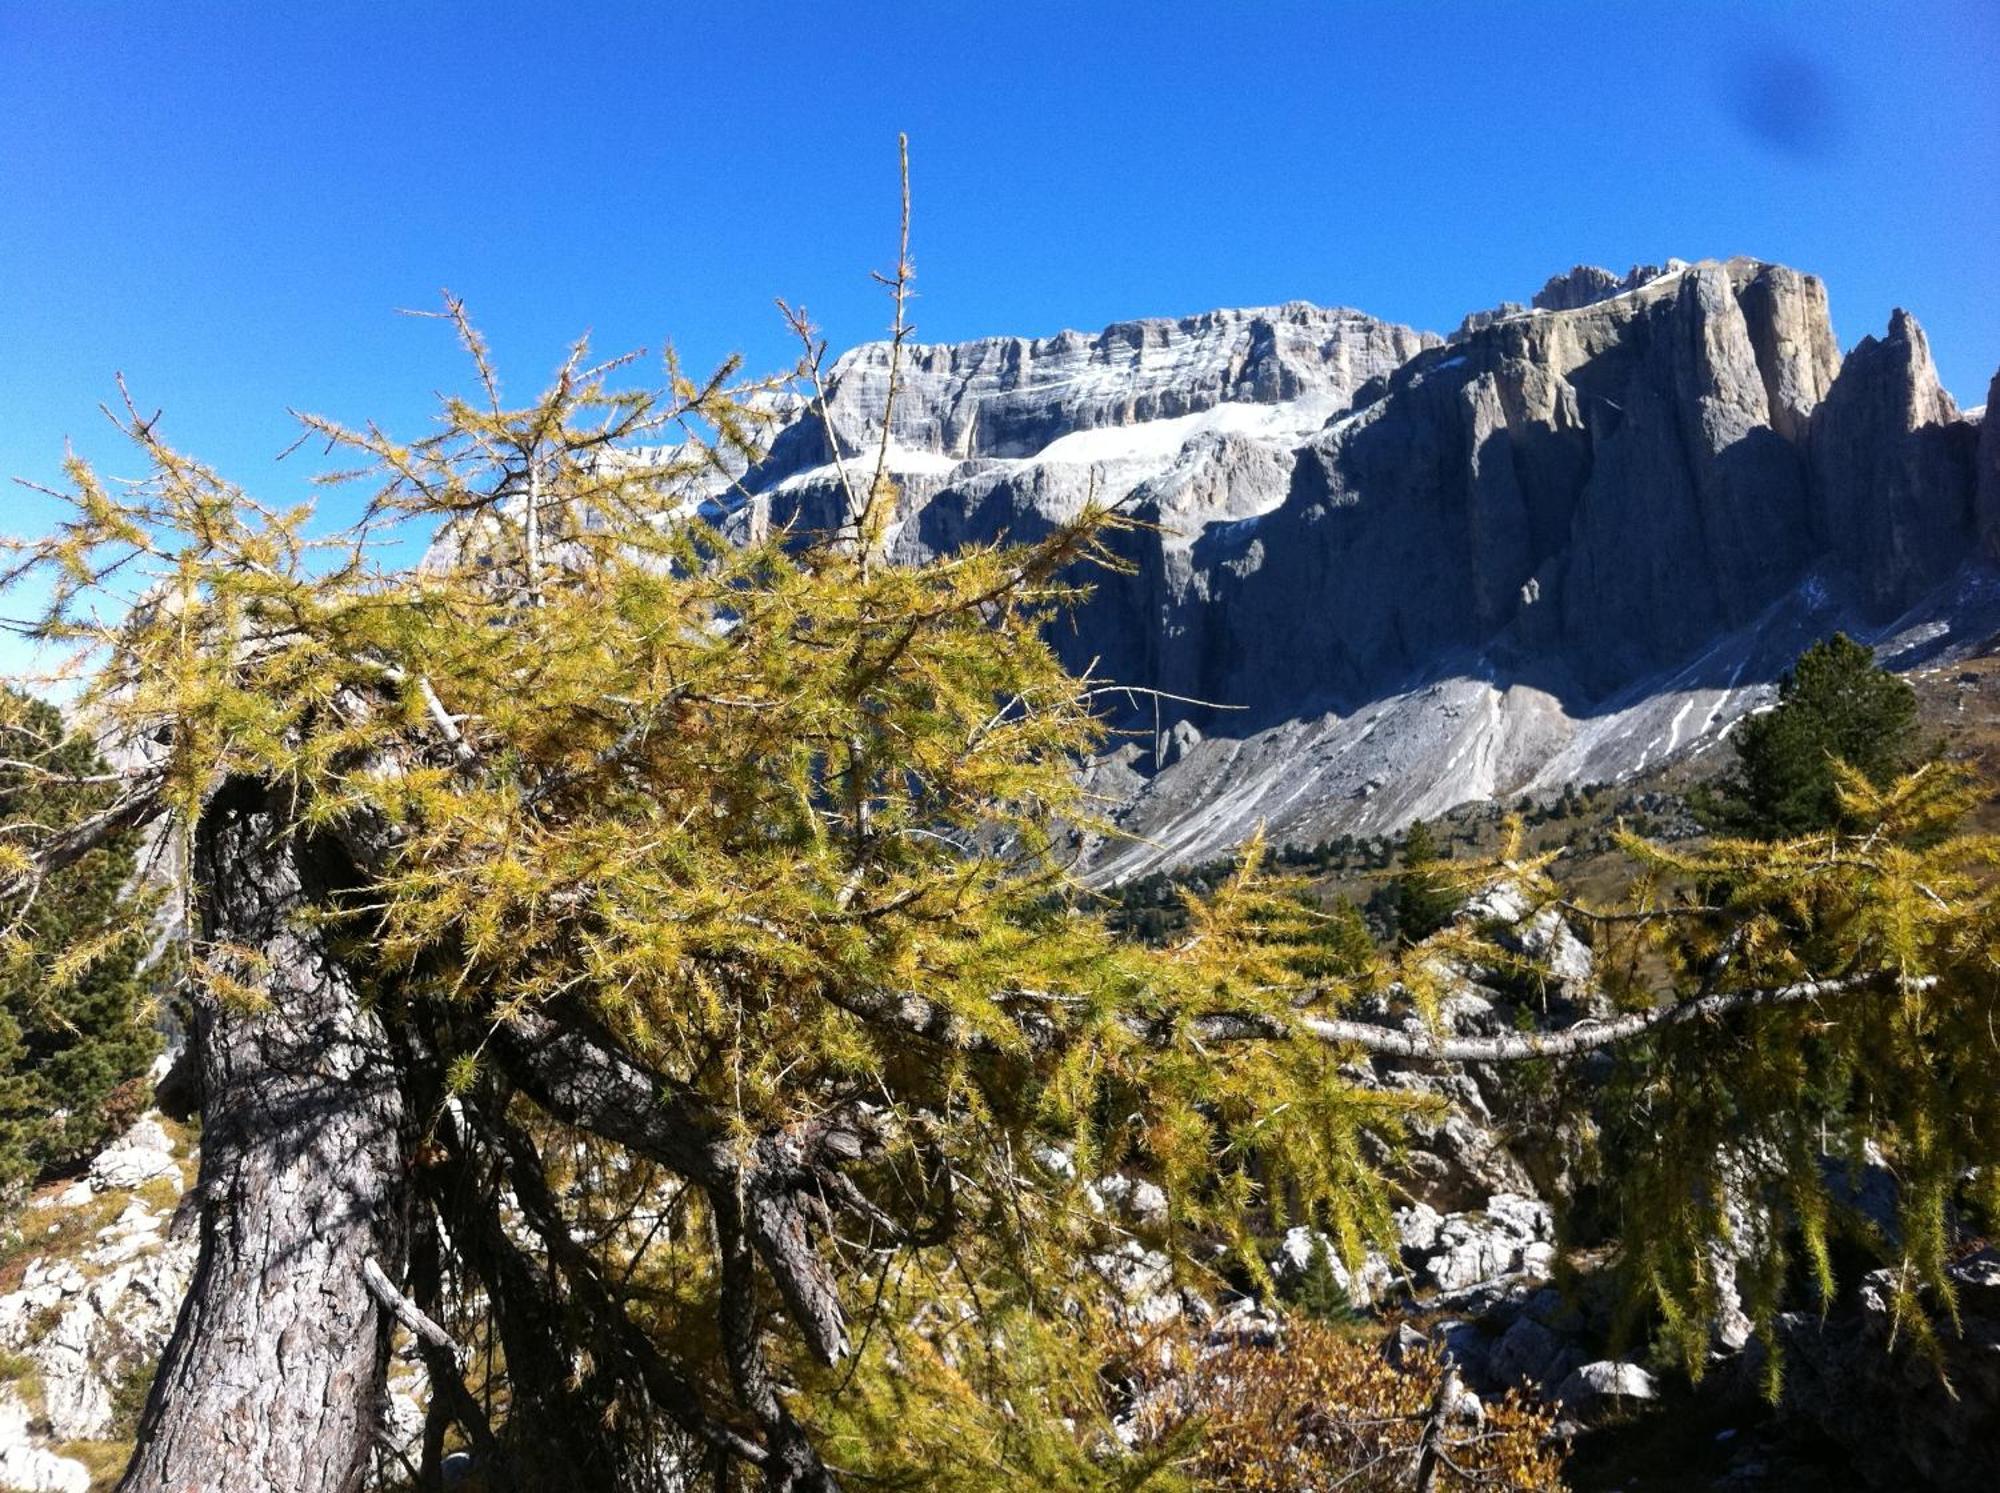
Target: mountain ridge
[{"x": 1406, "y": 570}]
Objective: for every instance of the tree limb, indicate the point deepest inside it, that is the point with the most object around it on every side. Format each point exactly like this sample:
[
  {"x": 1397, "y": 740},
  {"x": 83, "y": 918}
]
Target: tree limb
[
  {"x": 408, "y": 1312},
  {"x": 1584, "y": 1036},
  {"x": 927, "y": 1019},
  {"x": 585, "y": 1083},
  {"x": 130, "y": 811}
]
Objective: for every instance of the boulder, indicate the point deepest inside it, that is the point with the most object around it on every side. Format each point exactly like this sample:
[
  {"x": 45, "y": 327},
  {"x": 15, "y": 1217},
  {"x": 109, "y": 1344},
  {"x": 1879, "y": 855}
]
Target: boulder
[
  {"x": 1530, "y": 1354},
  {"x": 1502, "y": 903},
  {"x": 1465, "y": 1344},
  {"x": 1595, "y": 1387},
  {"x": 1549, "y": 940},
  {"x": 138, "y": 1156},
  {"x": 1856, "y": 1376},
  {"x": 1528, "y": 1218},
  {"x": 1140, "y": 1201},
  {"x": 1472, "y": 1249},
  {"x": 1402, "y": 1345},
  {"x": 1144, "y": 1279},
  {"x": 1417, "y": 1230}
]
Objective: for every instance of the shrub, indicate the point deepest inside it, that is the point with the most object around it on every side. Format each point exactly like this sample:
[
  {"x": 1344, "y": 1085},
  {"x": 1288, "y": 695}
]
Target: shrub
[{"x": 1320, "y": 1410}]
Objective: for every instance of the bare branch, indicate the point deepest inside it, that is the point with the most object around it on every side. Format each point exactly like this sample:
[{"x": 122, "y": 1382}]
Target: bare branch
[
  {"x": 139, "y": 807},
  {"x": 867, "y": 524},
  {"x": 935, "y": 1023},
  {"x": 1584, "y": 1036},
  {"x": 408, "y": 1312}
]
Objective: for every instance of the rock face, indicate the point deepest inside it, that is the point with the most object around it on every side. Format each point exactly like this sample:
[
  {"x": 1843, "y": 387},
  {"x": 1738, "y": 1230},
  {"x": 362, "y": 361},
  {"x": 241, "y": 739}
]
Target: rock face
[
  {"x": 1905, "y": 1423},
  {"x": 1009, "y": 397},
  {"x": 1893, "y": 468},
  {"x": 1987, "y": 461},
  {"x": 90, "y": 1317},
  {"x": 1578, "y": 538}
]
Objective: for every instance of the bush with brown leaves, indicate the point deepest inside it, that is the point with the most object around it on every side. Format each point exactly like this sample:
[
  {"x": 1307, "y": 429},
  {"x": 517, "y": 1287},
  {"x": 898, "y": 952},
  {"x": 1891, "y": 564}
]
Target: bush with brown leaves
[{"x": 1318, "y": 1410}]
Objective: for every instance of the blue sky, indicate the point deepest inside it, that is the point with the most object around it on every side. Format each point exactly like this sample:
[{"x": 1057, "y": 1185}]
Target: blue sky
[{"x": 228, "y": 202}]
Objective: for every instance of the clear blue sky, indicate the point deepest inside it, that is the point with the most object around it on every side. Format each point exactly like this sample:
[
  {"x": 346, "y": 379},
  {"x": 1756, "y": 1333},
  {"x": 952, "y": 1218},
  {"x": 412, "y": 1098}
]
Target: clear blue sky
[{"x": 228, "y": 202}]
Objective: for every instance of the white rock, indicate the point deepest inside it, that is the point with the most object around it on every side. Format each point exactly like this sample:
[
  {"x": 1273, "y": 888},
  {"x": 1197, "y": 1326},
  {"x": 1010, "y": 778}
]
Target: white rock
[
  {"x": 1295, "y": 1252},
  {"x": 1417, "y": 1227},
  {"x": 76, "y": 1399},
  {"x": 76, "y": 1195},
  {"x": 1371, "y": 1283},
  {"x": 1529, "y": 1218},
  {"x": 1144, "y": 1278},
  {"x": 1472, "y": 1249},
  {"x": 83, "y": 1323},
  {"x": 1605, "y": 1380},
  {"x": 1549, "y": 939},
  {"x": 1501, "y": 903},
  {"x": 1056, "y": 1161},
  {"x": 1467, "y": 1013},
  {"x": 28, "y": 1468},
  {"x": 1138, "y": 1199},
  {"x": 135, "y": 1158}
]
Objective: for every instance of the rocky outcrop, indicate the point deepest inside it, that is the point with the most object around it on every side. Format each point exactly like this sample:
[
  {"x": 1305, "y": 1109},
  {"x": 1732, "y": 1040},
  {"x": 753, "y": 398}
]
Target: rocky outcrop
[
  {"x": 1576, "y": 499},
  {"x": 1586, "y": 285},
  {"x": 26, "y": 1467},
  {"x": 109, "y": 1259},
  {"x": 1986, "y": 460},
  {"x": 1012, "y": 397},
  {"x": 1384, "y": 575},
  {"x": 1892, "y": 466},
  {"x": 1904, "y": 1419}
]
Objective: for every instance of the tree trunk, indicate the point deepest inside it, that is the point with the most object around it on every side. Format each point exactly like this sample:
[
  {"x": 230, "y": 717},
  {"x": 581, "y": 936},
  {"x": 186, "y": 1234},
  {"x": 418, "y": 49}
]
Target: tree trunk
[
  {"x": 274, "y": 1378},
  {"x": 791, "y": 1463}
]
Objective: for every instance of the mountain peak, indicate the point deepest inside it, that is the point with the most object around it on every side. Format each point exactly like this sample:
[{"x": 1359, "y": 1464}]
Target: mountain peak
[
  {"x": 1011, "y": 397},
  {"x": 1587, "y": 284}
]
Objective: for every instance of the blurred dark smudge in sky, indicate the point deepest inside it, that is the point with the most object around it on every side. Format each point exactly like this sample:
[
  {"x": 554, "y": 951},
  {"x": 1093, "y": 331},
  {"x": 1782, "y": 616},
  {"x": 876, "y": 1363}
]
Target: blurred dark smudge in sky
[{"x": 1785, "y": 101}]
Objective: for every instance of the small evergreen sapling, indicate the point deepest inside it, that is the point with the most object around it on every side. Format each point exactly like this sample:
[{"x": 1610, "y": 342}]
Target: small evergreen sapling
[
  {"x": 1320, "y": 1294},
  {"x": 1425, "y": 899}
]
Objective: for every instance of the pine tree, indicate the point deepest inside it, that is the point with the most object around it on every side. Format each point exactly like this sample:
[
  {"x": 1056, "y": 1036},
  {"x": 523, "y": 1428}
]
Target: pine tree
[
  {"x": 1835, "y": 703},
  {"x": 1320, "y": 1294},
  {"x": 74, "y": 1033},
  {"x": 1425, "y": 899}
]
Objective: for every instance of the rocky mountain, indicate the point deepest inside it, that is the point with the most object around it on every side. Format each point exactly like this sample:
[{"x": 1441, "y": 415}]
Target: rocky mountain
[{"x": 1385, "y": 573}]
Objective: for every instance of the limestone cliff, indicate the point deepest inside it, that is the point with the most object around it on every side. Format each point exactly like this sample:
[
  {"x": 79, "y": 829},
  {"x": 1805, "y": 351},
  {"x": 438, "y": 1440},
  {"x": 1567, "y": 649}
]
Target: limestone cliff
[{"x": 1401, "y": 573}]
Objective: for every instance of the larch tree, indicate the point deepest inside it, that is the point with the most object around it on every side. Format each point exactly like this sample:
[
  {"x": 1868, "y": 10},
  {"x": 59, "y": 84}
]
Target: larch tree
[{"x": 644, "y": 964}]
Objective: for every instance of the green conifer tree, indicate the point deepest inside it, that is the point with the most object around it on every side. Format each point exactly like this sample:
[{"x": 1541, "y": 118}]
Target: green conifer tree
[
  {"x": 1321, "y": 1296},
  {"x": 1836, "y": 702},
  {"x": 73, "y": 1006},
  {"x": 1425, "y": 900}
]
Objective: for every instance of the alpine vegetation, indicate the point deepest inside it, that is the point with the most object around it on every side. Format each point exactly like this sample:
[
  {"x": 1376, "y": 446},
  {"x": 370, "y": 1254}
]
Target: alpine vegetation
[
  {"x": 644, "y": 970},
  {"x": 648, "y": 978}
]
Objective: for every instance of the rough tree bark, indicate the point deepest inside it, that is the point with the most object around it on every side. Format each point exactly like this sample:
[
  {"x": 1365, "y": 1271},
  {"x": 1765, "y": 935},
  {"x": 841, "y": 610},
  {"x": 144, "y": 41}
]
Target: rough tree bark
[{"x": 273, "y": 1379}]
